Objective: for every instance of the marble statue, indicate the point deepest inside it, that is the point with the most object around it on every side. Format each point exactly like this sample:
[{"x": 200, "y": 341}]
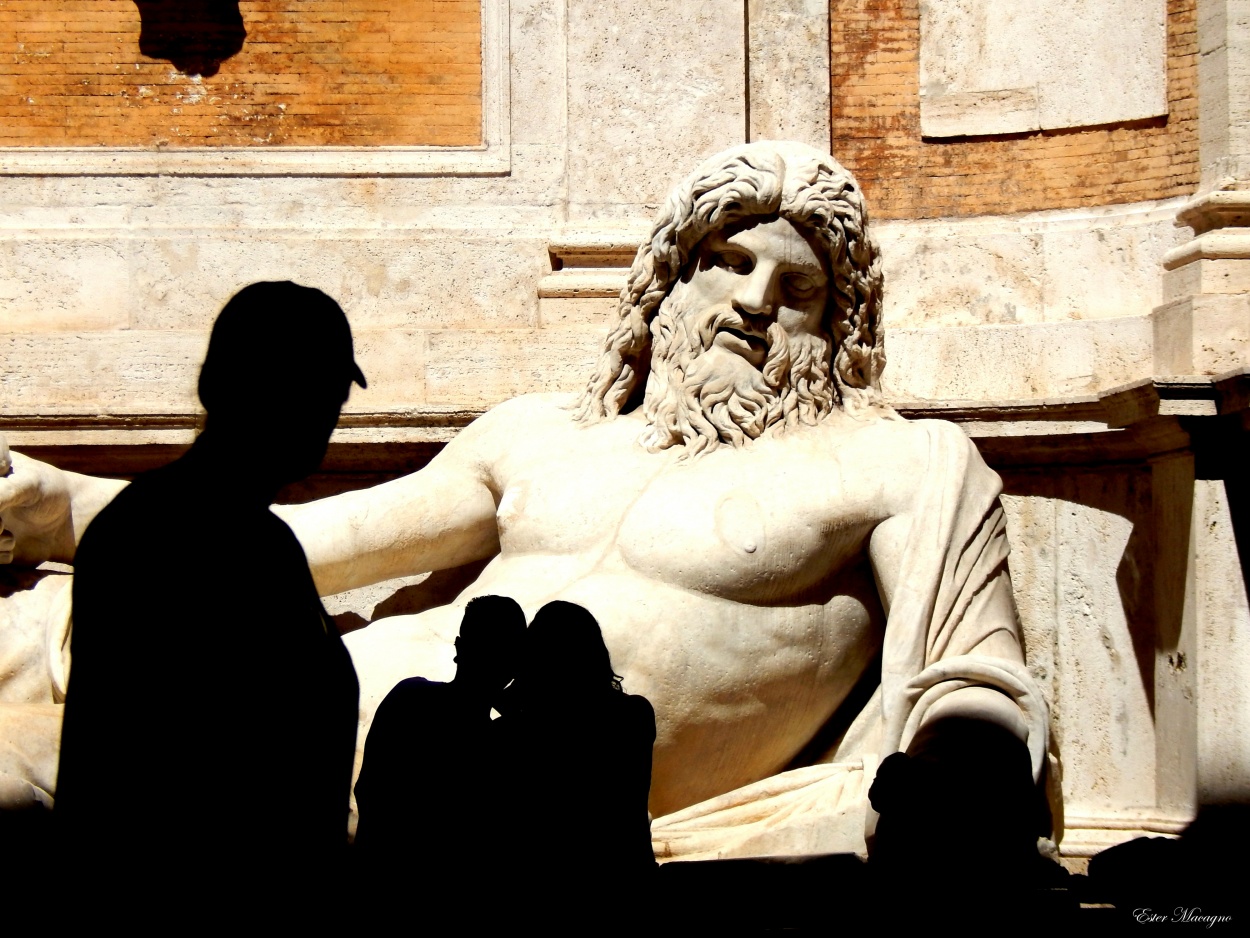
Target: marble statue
[{"x": 730, "y": 496}]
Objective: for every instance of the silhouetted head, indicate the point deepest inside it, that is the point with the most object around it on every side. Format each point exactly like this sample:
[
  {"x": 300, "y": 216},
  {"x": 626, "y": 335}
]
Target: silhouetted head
[
  {"x": 278, "y": 370},
  {"x": 565, "y": 655},
  {"x": 489, "y": 647},
  {"x": 195, "y": 35}
]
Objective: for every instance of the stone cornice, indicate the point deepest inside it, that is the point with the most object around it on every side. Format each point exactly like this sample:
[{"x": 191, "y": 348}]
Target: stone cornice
[
  {"x": 1220, "y": 209},
  {"x": 1112, "y": 409}
]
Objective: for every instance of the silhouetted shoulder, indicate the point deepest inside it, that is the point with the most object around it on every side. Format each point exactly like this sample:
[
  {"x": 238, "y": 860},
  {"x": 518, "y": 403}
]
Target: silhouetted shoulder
[
  {"x": 414, "y": 686},
  {"x": 638, "y": 713},
  {"x": 639, "y": 708},
  {"x": 409, "y": 694}
]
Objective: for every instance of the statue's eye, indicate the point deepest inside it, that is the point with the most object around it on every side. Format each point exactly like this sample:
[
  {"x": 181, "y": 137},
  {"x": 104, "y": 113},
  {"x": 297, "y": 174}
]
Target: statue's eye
[
  {"x": 800, "y": 286},
  {"x": 733, "y": 260}
]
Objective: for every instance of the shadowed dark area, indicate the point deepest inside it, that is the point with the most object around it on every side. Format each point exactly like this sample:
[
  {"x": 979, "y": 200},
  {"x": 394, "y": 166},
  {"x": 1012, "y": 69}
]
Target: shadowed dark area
[
  {"x": 195, "y": 35},
  {"x": 1201, "y": 873},
  {"x": 961, "y": 782},
  {"x": 1222, "y": 452}
]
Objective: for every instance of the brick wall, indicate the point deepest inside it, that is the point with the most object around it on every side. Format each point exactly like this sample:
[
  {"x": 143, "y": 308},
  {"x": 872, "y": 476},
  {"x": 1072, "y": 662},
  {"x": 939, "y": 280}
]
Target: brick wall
[
  {"x": 876, "y": 131},
  {"x": 310, "y": 72}
]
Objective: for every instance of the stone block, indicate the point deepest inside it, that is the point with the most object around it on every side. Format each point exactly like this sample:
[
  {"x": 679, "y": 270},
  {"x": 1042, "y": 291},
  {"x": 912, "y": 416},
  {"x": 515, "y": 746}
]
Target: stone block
[
  {"x": 789, "y": 69},
  {"x": 419, "y": 281},
  {"x": 101, "y": 373},
  {"x": 155, "y": 372},
  {"x": 659, "y": 87},
  {"x": 1082, "y": 552},
  {"x": 1206, "y": 334},
  {"x": 1044, "y": 267},
  {"x": 993, "y": 67},
  {"x": 1221, "y": 333},
  {"x": 1006, "y": 362},
  {"x": 393, "y": 361},
  {"x": 594, "y": 312},
  {"x": 485, "y": 368},
  {"x": 942, "y": 275},
  {"x": 538, "y": 73},
  {"x": 1218, "y": 275},
  {"x": 1105, "y": 270},
  {"x": 63, "y": 285},
  {"x": 1223, "y": 660},
  {"x": 1172, "y": 327}
]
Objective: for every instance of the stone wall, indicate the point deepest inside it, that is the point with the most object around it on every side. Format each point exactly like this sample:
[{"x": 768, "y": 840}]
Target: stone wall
[
  {"x": 311, "y": 72},
  {"x": 877, "y": 133}
]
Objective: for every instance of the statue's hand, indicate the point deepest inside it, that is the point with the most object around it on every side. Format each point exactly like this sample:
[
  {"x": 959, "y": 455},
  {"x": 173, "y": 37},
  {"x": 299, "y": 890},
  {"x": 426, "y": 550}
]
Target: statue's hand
[{"x": 35, "y": 518}]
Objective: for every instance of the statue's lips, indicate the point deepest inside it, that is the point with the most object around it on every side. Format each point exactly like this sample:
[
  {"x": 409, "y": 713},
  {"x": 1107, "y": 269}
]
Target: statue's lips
[{"x": 751, "y": 347}]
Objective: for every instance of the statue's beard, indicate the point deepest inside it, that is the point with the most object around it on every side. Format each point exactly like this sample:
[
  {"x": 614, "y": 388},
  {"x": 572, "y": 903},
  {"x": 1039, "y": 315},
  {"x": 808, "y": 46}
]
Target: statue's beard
[{"x": 693, "y": 399}]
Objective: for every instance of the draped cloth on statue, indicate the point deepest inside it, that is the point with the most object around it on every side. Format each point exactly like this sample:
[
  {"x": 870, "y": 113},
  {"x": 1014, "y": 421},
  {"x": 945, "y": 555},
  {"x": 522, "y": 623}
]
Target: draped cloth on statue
[
  {"x": 34, "y": 669},
  {"x": 953, "y": 594}
]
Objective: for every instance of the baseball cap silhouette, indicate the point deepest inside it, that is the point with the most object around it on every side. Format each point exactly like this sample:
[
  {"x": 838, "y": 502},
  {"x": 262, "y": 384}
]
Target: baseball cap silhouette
[{"x": 277, "y": 338}]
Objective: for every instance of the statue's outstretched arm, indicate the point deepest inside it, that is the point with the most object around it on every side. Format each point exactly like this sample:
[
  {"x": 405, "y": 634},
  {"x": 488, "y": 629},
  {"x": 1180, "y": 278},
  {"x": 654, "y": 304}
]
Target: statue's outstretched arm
[
  {"x": 44, "y": 510},
  {"x": 440, "y": 517}
]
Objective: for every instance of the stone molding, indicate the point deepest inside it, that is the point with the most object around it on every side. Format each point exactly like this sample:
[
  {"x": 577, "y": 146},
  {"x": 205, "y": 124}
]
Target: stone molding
[
  {"x": 1111, "y": 410},
  {"x": 590, "y": 263},
  {"x": 1203, "y": 324},
  {"x": 1221, "y": 209},
  {"x": 1226, "y": 243},
  {"x": 1085, "y": 836},
  {"x": 491, "y": 158}
]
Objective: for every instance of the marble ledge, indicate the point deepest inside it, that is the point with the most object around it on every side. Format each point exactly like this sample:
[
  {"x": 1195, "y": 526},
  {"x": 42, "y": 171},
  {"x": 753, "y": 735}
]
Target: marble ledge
[
  {"x": 1222, "y": 244},
  {"x": 1105, "y": 412},
  {"x": 1220, "y": 209}
]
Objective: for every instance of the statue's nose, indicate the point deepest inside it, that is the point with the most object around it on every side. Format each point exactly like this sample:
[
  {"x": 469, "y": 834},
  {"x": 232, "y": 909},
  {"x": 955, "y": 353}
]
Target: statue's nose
[{"x": 754, "y": 293}]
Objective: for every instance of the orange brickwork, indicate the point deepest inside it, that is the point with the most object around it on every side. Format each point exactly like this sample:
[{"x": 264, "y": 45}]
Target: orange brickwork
[
  {"x": 309, "y": 73},
  {"x": 876, "y": 131}
]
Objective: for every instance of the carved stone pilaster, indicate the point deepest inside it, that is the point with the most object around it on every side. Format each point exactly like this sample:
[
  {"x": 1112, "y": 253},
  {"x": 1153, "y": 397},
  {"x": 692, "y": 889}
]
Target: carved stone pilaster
[{"x": 1203, "y": 326}]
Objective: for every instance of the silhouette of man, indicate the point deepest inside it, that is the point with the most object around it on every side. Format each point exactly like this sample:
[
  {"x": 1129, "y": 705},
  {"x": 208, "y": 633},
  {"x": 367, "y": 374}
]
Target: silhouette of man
[
  {"x": 214, "y": 690},
  {"x": 429, "y": 780}
]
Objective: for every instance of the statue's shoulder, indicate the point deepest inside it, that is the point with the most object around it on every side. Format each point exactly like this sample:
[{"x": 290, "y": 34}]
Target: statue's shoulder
[
  {"x": 898, "y": 435},
  {"x": 905, "y": 451},
  {"x": 525, "y": 413},
  {"x": 911, "y": 433},
  {"x": 517, "y": 426}
]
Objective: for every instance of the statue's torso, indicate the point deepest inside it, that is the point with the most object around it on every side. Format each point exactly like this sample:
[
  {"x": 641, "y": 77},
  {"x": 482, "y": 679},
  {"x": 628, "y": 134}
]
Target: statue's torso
[{"x": 734, "y": 589}]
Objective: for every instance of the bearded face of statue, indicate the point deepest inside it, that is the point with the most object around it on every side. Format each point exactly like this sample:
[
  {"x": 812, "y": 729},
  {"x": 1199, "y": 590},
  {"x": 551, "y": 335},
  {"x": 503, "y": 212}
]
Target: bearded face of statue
[{"x": 740, "y": 344}]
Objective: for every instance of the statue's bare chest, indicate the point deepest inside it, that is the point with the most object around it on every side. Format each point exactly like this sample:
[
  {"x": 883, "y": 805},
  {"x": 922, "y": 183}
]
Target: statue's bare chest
[{"x": 767, "y": 523}]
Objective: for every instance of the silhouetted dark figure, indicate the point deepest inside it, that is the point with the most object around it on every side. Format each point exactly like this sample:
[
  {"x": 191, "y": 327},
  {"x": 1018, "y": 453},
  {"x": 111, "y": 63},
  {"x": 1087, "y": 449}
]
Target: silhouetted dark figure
[
  {"x": 210, "y": 718},
  {"x": 431, "y": 772},
  {"x": 1203, "y": 872},
  {"x": 195, "y": 35},
  {"x": 959, "y": 821},
  {"x": 580, "y": 750}
]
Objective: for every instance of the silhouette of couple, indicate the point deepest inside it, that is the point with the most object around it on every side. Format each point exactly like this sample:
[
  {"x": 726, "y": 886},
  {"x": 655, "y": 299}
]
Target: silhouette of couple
[
  {"x": 562, "y": 775},
  {"x": 210, "y": 717}
]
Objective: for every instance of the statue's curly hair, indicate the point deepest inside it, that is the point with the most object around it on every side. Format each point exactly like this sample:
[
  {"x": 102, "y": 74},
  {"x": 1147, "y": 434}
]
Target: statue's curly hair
[{"x": 789, "y": 180}]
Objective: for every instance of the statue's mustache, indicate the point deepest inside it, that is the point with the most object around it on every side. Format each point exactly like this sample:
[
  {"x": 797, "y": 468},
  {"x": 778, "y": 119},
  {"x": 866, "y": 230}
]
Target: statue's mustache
[
  {"x": 720, "y": 316},
  {"x": 775, "y": 342}
]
